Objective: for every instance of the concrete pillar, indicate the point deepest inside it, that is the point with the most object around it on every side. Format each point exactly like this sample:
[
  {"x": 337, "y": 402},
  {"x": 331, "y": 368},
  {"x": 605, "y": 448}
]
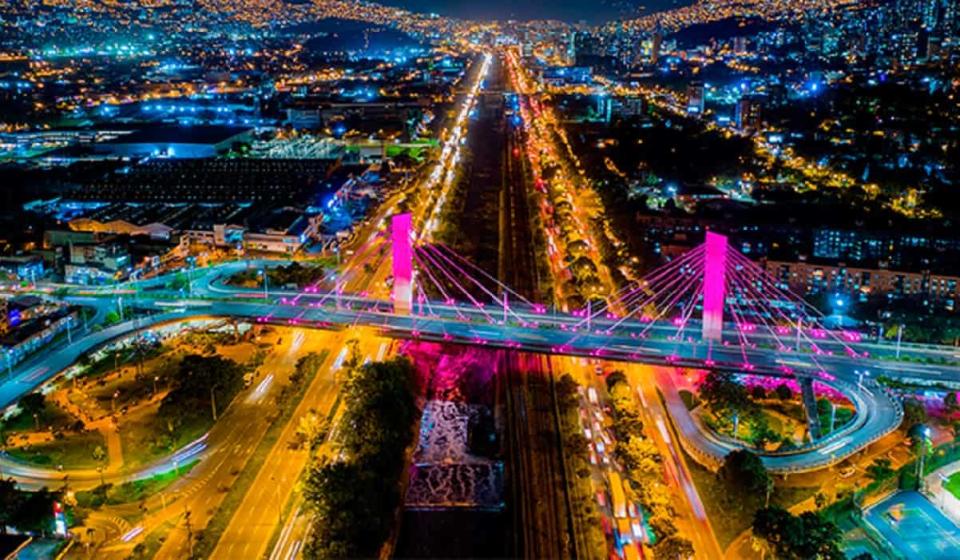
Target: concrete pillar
[
  {"x": 810, "y": 407},
  {"x": 402, "y": 264},
  {"x": 714, "y": 286}
]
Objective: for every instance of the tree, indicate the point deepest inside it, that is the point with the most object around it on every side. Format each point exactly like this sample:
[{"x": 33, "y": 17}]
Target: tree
[
  {"x": 662, "y": 525},
  {"x": 311, "y": 429},
  {"x": 797, "y": 537},
  {"x": 200, "y": 378},
  {"x": 10, "y": 499},
  {"x": 567, "y": 391},
  {"x": 820, "y": 500},
  {"x": 111, "y": 318},
  {"x": 32, "y": 403},
  {"x": 673, "y": 548},
  {"x": 35, "y": 511},
  {"x": 758, "y": 393},
  {"x": 380, "y": 409},
  {"x": 615, "y": 378},
  {"x": 913, "y": 412},
  {"x": 179, "y": 282},
  {"x": 779, "y": 528},
  {"x": 723, "y": 394},
  {"x": 744, "y": 470},
  {"x": 821, "y": 538},
  {"x": 639, "y": 456},
  {"x": 823, "y": 406},
  {"x": 348, "y": 503},
  {"x": 305, "y": 365},
  {"x": 355, "y": 498},
  {"x": 950, "y": 401},
  {"x": 762, "y": 432},
  {"x": 880, "y": 470},
  {"x": 784, "y": 392}
]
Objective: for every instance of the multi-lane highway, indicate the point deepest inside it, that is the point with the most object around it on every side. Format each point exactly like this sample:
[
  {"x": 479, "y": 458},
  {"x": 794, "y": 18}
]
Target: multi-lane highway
[{"x": 260, "y": 513}]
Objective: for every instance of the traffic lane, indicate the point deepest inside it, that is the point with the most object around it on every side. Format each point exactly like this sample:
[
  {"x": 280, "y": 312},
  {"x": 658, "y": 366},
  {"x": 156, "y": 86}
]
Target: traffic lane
[
  {"x": 236, "y": 453},
  {"x": 256, "y": 518}
]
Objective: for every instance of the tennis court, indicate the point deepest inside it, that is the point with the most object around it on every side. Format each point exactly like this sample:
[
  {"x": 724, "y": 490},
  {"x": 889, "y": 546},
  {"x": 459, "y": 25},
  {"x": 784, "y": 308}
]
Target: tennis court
[{"x": 915, "y": 528}]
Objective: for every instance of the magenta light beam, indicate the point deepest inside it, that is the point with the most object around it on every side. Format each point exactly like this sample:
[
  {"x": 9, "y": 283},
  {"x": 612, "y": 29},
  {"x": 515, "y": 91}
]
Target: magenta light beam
[
  {"x": 714, "y": 286},
  {"x": 402, "y": 264}
]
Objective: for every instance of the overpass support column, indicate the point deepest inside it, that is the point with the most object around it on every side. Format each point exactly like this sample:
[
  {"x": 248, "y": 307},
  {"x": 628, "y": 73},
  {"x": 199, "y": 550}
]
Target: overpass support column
[
  {"x": 402, "y": 264},
  {"x": 810, "y": 407},
  {"x": 714, "y": 286}
]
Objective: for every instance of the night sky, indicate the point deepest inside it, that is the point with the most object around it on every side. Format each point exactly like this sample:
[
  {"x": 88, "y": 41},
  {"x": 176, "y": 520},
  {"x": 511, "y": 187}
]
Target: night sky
[{"x": 593, "y": 11}]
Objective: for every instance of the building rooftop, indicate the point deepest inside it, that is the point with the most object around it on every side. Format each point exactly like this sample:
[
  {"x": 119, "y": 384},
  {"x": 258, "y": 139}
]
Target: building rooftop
[{"x": 207, "y": 134}]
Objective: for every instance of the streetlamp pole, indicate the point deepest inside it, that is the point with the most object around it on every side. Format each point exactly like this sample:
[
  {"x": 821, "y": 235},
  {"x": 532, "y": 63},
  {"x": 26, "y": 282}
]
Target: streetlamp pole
[
  {"x": 799, "y": 331},
  {"x": 213, "y": 402},
  {"x": 899, "y": 338}
]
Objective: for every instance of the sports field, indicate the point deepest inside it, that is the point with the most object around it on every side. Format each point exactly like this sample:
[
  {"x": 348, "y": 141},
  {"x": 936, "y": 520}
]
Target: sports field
[
  {"x": 952, "y": 484},
  {"x": 915, "y": 528}
]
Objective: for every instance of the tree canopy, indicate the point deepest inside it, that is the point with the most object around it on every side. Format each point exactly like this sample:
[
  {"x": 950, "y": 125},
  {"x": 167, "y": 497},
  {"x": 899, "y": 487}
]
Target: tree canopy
[
  {"x": 355, "y": 498},
  {"x": 744, "y": 470},
  {"x": 722, "y": 392},
  {"x": 793, "y": 537}
]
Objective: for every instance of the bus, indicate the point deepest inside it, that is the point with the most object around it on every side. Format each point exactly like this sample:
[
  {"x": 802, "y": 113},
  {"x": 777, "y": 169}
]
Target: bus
[
  {"x": 630, "y": 552},
  {"x": 617, "y": 500},
  {"x": 624, "y": 534}
]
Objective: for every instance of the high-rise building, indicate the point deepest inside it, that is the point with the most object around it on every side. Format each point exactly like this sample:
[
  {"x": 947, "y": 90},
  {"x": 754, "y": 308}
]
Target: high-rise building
[
  {"x": 655, "y": 43},
  {"x": 740, "y": 45},
  {"x": 749, "y": 110},
  {"x": 696, "y": 98}
]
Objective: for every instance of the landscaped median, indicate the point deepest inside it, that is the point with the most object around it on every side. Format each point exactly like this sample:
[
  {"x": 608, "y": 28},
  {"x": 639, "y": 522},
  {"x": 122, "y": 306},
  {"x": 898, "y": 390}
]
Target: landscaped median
[{"x": 354, "y": 497}]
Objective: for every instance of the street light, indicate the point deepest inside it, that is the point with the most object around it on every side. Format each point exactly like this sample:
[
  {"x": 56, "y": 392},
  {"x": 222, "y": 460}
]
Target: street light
[
  {"x": 263, "y": 272},
  {"x": 925, "y": 432},
  {"x": 899, "y": 338}
]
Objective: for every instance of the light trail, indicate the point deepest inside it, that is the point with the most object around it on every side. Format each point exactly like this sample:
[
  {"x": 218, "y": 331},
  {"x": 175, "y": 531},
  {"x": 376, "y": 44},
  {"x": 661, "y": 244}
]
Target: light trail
[
  {"x": 260, "y": 390},
  {"x": 444, "y": 172}
]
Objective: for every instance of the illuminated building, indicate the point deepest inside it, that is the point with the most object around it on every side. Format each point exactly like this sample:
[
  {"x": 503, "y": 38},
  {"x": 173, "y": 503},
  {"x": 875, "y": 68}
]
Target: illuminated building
[
  {"x": 696, "y": 98},
  {"x": 812, "y": 277},
  {"x": 748, "y": 112},
  {"x": 176, "y": 141}
]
